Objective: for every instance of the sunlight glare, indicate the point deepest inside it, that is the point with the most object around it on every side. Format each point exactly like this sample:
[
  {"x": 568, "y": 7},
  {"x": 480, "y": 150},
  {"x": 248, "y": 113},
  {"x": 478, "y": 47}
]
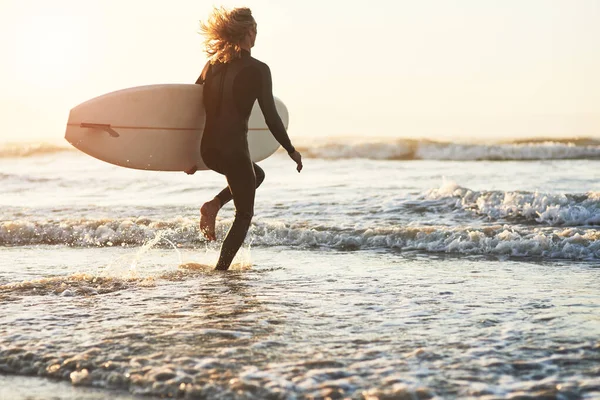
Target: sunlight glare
[{"x": 50, "y": 53}]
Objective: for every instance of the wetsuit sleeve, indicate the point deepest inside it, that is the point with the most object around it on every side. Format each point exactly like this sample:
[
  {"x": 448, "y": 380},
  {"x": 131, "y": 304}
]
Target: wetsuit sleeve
[{"x": 267, "y": 105}]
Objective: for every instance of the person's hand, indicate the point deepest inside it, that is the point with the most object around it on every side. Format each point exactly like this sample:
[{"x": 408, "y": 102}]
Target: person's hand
[
  {"x": 297, "y": 157},
  {"x": 191, "y": 171}
]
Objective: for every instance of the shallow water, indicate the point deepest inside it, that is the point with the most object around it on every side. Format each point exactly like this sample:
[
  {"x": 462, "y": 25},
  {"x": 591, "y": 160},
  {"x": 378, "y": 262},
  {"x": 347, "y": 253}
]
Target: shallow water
[
  {"x": 322, "y": 323},
  {"x": 378, "y": 279}
]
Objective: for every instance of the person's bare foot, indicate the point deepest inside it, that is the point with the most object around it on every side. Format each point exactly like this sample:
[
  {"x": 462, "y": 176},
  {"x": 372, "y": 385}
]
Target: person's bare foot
[{"x": 208, "y": 217}]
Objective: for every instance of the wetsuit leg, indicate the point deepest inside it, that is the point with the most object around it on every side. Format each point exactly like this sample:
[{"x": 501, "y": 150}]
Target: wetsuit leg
[
  {"x": 225, "y": 195},
  {"x": 242, "y": 186}
]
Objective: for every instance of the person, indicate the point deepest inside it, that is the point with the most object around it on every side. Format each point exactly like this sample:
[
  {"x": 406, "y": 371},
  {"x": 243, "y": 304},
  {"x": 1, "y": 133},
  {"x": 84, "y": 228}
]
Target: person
[{"x": 233, "y": 80}]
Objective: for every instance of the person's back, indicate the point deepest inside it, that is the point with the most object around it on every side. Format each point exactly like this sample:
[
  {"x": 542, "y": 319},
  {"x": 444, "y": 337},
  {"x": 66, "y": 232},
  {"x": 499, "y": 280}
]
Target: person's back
[{"x": 230, "y": 91}]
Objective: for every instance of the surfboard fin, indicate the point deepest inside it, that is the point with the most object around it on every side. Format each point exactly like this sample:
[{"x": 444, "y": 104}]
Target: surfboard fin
[{"x": 103, "y": 127}]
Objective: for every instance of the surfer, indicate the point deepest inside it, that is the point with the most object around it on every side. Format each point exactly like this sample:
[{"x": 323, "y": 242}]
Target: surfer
[{"x": 233, "y": 80}]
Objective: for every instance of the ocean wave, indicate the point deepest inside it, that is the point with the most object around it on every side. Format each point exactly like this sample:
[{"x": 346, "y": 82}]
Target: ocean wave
[
  {"x": 19, "y": 150},
  {"x": 576, "y": 141},
  {"x": 400, "y": 149},
  {"x": 411, "y": 149},
  {"x": 95, "y": 232},
  {"x": 497, "y": 240},
  {"x": 525, "y": 207}
]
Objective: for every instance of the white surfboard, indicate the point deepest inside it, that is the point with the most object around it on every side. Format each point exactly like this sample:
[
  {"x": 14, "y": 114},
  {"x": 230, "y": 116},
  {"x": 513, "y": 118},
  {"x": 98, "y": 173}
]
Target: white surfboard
[{"x": 156, "y": 127}]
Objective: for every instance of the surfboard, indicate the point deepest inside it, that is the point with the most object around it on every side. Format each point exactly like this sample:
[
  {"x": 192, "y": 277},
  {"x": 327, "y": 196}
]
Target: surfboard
[{"x": 156, "y": 127}]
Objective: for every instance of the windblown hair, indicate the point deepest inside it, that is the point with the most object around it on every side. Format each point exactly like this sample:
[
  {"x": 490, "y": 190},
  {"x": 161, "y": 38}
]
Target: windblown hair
[{"x": 224, "y": 31}]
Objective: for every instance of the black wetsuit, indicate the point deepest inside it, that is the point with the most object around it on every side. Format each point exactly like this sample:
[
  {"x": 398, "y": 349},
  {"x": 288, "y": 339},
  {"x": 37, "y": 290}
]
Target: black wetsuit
[{"x": 230, "y": 91}]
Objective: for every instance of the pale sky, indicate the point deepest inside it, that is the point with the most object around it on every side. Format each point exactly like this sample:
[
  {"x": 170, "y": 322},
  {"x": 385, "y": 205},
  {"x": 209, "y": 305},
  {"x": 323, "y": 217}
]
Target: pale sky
[{"x": 429, "y": 68}]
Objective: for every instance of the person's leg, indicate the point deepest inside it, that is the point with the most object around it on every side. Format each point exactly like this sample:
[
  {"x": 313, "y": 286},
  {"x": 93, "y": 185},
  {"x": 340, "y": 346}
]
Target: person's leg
[
  {"x": 210, "y": 209},
  {"x": 224, "y": 195},
  {"x": 242, "y": 185}
]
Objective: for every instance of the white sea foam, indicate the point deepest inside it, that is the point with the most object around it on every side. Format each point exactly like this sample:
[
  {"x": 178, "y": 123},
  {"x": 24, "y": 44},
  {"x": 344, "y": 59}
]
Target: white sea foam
[
  {"x": 100, "y": 232},
  {"x": 501, "y": 240},
  {"x": 543, "y": 208},
  {"x": 493, "y": 240}
]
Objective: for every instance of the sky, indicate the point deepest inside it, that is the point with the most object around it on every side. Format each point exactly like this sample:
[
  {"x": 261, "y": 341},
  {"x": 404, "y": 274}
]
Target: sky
[{"x": 436, "y": 69}]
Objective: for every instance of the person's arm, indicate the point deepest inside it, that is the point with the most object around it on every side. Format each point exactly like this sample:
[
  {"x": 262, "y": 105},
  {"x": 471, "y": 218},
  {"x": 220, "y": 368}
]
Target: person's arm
[{"x": 267, "y": 105}]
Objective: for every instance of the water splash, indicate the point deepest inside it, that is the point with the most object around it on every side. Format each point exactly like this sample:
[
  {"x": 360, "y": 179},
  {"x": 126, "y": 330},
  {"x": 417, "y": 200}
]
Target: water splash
[{"x": 128, "y": 265}]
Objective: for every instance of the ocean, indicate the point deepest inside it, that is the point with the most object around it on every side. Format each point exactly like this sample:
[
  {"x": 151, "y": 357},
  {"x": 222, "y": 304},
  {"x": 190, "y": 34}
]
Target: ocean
[{"x": 387, "y": 269}]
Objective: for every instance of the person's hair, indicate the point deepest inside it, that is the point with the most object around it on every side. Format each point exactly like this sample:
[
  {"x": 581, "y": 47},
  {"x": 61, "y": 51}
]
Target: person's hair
[{"x": 224, "y": 31}]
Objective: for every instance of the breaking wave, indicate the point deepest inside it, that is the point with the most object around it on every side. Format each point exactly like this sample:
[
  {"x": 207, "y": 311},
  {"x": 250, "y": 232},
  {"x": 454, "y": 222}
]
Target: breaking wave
[
  {"x": 412, "y": 149},
  {"x": 496, "y": 240},
  {"x": 400, "y": 149},
  {"x": 524, "y": 207},
  {"x": 19, "y": 150}
]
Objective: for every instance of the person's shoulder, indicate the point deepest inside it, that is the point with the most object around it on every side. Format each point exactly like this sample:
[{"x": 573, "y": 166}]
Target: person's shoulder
[{"x": 262, "y": 66}]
